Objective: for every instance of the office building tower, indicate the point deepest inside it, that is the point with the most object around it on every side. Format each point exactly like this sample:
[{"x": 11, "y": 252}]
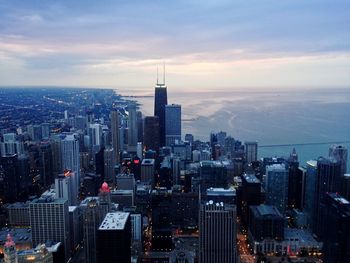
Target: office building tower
[
  {"x": 115, "y": 134},
  {"x": 212, "y": 174},
  {"x": 71, "y": 161},
  {"x": 147, "y": 170},
  {"x": 335, "y": 224},
  {"x": 64, "y": 187},
  {"x": 109, "y": 161},
  {"x": 75, "y": 228},
  {"x": 310, "y": 190},
  {"x": 45, "y": 164},
  {"x": 114, "y": 238},
  {"x": 125, "y": 182},
  {"x": 339, "y": 153},
  {"x": 95, "y": 135},
  {"x": 139, "y": 120},
  {"x": 136, "y": 227},
  {"x": 328, "y": 180},
  {"x": 250, "y": 194},
  {"x": 93, "y": 211},
  {"x": 35, "y": 132},
  {"x": 49, "y": 221},
  {"x": 10, "y": 145},
  {"x": 276, "y": 186},
  {"x": 251, "y": 151},
  {"x": 295, "y": 182},
  {"x": 151, "y": 135},
  {"x": 139, "y": 150},
  {"x": 160, "y": 100},
  {"x": 266, "y": 225},
  {"x": 217, "y": 233},
  {"x": 18, "y": 214},
  {"x": 132, "y": 128},
  {"x": 10, "y": 181},
  {"x": 45, "y": 130},
  {"x": 346, "y": 186},
  {"x": 172, "y": 124}
]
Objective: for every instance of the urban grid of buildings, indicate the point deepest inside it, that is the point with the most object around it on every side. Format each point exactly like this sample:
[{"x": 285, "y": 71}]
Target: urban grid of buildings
[{"x": 100, "y": 182}]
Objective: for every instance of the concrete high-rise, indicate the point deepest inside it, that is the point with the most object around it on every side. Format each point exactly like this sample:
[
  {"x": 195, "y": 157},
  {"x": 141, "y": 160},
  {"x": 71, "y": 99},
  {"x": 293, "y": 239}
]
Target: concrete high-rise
[
  {"x": 132, "y": 128},
  {"x": 276, "y": 186},
  {"x": 217, "y": 233},
  {"x": 172, "y": 124},
  {"x": 49, "y": 220},
  {"x": 114, "y": 238},
  {"x": 160, "y": 101},
  {"x": 151, "y": 136},
  {"x": 71, "y": 161},
  {"x": 339, "y": 153},
  {"x": 251, "y": 151},
  {"x": 115, "y": 134},
  {"x": 328, "y": 180}
]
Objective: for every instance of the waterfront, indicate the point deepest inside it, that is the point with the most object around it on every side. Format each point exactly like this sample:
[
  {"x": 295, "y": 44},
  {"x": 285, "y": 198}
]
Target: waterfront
[{"x": 272, "y": 117}]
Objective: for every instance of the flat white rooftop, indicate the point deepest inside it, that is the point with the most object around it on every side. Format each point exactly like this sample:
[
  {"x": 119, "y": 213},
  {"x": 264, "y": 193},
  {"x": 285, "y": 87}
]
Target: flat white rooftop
[{"x": 114, "y": 221}]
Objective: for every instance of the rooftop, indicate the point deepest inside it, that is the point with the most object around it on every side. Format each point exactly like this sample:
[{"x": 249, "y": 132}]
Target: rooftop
[
  {"x": 266, "y": 210},
  {"x": 148, "y": 162},
  {"x": 221, "y": 191},
  {"x": 114, "y": 221},
  {"x": 251, "y": 178}
]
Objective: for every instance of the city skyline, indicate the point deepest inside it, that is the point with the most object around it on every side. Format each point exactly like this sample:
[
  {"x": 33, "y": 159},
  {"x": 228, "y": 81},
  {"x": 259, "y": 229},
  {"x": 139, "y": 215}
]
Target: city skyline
[{"x": 229, "y": 45}]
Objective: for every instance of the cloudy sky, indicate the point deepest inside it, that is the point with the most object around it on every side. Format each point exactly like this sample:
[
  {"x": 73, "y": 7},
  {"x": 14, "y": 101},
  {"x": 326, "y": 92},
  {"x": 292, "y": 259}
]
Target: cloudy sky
[{"x": 205, "y": 44}]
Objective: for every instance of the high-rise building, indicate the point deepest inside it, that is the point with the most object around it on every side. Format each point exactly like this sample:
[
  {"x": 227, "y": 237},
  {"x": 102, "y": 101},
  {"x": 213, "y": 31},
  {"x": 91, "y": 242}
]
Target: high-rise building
[
  {"x": 93, "y": 211},
  {"x": 139, "y": 126},
  {"x": 310, "y": 189},
  {"x": 147, "y": 170},
  {"x": 49, "y": 220},
  {"x": 335, "y": 224},
  {"x": 339, "y": 153},
  {"x": 250, "y": 194},
  {"x": 71, "y": 161},
  {"x": 115, "y": 134},
  {"x": 172, "y": 124},
  {"x": 132, "y": 128},
  {"x": 114, "y": 238},
  {"x": 109, "y": 160},
  {"x": 328, "y": 180},
  {"x": 160, "y": 100},
  {"x": 251, "y": 151},
  {"x": 64, "y": 187},
  {"x": 266, "y": 223},
  {"x": 217, "y": 233},
  {"x": 276, "y": 186},
  {"x": 151, "y": 135},
  {"x": 10, "y": 183},
  {"x": 45, "y": 164}
]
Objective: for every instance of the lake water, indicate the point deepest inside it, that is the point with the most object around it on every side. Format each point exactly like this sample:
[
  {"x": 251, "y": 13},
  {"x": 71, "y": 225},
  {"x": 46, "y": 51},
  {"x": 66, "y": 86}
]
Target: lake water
[{"x": 272, "y": 117}]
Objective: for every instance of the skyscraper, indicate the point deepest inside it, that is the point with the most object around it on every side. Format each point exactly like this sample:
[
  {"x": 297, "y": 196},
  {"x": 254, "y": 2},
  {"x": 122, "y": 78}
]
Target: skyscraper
[
  {"x": 217, "y": 239},
  {"x": 71, "y": 161},
  {"x": 339, "y": 153},
  {"x": 251, "y": 151},
  {"x": 160, "y": 100},
  {"x": 114, "y": 238},
  {"x": 276, "y": 186},
  {"x": 151, "y": 137},
  {"x": 328, "y": 180},
  {"x": 115, "y": 134},
  {"x": 132, "y": 128},
  {"x": 335, "y": 218},
  {"x": 109, "y": 162},
  {"x": 49, "y": 220},
  {"x": 172, "y": 124}
]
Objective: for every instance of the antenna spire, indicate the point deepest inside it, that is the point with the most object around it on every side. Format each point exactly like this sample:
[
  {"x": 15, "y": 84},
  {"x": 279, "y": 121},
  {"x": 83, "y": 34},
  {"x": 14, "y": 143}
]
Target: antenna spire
[
  {"x": 164, "y": 73},
  {"x": 157, "y": 75}
]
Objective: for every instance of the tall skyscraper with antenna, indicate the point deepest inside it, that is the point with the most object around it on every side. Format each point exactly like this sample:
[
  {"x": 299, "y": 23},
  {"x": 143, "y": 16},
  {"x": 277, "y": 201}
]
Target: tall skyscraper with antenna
[{"x": 160, "y": 100}]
